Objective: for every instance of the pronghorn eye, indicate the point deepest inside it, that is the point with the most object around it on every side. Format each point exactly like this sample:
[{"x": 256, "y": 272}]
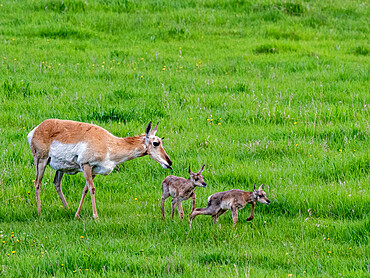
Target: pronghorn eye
[{"x": 156, "y": 144}]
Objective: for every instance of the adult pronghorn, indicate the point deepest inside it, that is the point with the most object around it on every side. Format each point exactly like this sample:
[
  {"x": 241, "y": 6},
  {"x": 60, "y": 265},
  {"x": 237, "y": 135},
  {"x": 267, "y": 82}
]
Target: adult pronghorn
[{"x": 70, "y": 147}]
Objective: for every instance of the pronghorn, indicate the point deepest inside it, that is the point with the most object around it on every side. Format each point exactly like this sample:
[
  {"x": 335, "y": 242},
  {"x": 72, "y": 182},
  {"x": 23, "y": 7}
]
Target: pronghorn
[
  {"x": 181, "y": 189},
  {"x": 70, "y": 147},
  {"x": 233, "y": 200}
]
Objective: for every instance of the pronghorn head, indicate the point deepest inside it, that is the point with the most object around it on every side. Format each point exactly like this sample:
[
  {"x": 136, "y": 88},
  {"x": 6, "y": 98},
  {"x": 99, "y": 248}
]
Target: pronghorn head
[
  {"x": 260, "y": 195},
  {"x": 197, "y": 178},
  {"x": 155, "y": 148}
]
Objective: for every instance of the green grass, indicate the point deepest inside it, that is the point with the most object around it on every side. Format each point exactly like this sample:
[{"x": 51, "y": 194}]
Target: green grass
[{"x": 272, "y": 92}]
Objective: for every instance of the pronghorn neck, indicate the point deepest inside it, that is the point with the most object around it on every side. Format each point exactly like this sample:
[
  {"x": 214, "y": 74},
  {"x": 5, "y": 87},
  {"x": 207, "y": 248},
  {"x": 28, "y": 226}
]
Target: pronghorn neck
[
  {"x": 253, "y": 196},
  {"x": 191, "y": 184},
  {"x": 128, "y": 148},
  {"x": 249, "y": 196}
]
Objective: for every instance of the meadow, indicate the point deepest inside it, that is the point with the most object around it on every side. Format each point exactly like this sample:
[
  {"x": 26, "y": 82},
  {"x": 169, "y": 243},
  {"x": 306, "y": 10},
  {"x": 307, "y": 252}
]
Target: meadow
[{"x": 267, "y": 92}]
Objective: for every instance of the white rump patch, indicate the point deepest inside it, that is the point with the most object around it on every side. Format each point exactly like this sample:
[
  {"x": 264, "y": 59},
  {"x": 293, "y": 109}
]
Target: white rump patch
[{"x": 30, "y": 136}]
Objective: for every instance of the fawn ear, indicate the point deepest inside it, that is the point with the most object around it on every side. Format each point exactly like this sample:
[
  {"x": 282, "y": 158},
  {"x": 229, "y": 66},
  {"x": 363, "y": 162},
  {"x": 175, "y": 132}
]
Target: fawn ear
[
  {"x": 190, "y": 172},
  {"x": 147, "y": 131},
  {"x": 260, "y": 188},
  {"x": 154, "y": 130},
  {"x": 201, "y": 169},
  {"x": 254, "y": 187}
]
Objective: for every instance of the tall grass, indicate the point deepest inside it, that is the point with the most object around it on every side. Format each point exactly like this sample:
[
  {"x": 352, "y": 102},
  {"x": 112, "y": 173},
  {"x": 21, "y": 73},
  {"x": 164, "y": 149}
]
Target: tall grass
[{"x": 272, "y": 92}]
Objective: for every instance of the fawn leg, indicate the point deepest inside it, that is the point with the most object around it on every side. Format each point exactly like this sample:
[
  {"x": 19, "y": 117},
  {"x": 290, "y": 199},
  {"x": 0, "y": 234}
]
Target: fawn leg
[
  {"x": 235, "y": 215},
  {"x": 219, "y": 213},
  {"x": 194, "y": 197},
  {"x": 179, "y": 208},
  {"x": 252, "y": 213},
  {"x": 173, "y": 205},
  {"x": 163, "y": 199},
  {"x": 165, "y": 195},
  {"x": 205, "y": 211}
]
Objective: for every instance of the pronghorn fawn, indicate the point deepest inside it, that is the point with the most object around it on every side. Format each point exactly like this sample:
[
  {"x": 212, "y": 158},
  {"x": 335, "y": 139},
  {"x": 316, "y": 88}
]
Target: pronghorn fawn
[
  {"x": 181, "y": 189},
  {"x": 233, "y": 200},
  {"x": 70, "y": 147}
]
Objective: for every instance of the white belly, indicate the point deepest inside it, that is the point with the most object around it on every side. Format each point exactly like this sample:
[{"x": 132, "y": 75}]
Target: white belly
[
  {"x": 226, "y": 204},
  {"x": 103, "y": 168},
  {"x": 66, "y": 157},
  {"x": 173, "y": 192}
]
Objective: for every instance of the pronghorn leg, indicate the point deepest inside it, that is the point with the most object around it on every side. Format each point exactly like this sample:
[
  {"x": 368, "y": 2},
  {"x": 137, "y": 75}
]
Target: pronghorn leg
[
  {"x": 87, "y": 171},
  {"x": 57, "y": 183},
  {"x": 219, "y": 213},
  {"x": 163, "y": 199},
  {"x": 84, "y": 191},
  {"x": 235, "y": 215},
  {"x": 165, "y": 195},
  {"x": 252, "y": 213},
  {"x": 173, "y": 205},
  {"x": 205, "y": 211},
  {"x": 40, "y": 170},
  {"x": 194, "y": 197},
  {"x": 179, "y": 208}
]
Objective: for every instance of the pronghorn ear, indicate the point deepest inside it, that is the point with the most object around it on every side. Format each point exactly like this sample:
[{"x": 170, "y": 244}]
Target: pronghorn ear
[
  {"x": 201, "y": 169},
  {"x": 254, "y": 187},
  {"x": 148, "y": 128},
  {"x": 154, "y": 130},
  {"x": 260, "y": 188},
  {"x": 190, "y": 172},
  {"x": 147, "y": 131}
]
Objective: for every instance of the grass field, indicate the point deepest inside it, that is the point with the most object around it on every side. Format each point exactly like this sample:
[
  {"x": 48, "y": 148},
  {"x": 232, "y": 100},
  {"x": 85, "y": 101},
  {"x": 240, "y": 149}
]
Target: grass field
[{"x": 272, "y": 92}]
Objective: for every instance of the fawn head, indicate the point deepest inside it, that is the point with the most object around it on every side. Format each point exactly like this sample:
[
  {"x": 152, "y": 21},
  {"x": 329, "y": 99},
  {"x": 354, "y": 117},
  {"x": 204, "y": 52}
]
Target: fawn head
[
  {"x": 260, "y": 195},
  {"x": 197, "y": 178},
  {"x": 155, "y": 148}
]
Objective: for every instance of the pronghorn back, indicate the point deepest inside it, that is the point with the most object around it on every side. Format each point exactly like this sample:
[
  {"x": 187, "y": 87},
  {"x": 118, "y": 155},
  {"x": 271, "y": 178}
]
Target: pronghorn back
[{"x": 66, "y": 132}]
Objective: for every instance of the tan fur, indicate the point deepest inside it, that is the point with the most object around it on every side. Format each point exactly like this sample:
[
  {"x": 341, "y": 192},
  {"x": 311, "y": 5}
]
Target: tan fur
[
  {"x": 233, "y": 200},
  {"x": 87, "y": 148},
  {"x": 99, "y": 140},
  {"x": 181, "y": 189}
]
